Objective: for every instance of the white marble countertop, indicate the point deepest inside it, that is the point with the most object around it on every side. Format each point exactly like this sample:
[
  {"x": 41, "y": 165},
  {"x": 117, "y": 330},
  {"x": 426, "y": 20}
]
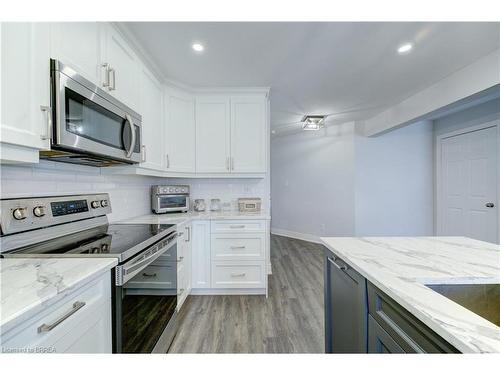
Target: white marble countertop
[
  {"x": 29, "y": 285},
  {"x": 400, "y": 266},
  {"x": 179, "y": 218}
]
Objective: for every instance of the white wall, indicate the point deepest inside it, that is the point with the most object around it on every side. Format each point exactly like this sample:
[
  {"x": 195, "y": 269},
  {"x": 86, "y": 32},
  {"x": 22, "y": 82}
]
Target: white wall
[
  {"x": 394, "y": 183},
  {"x": 338, "y": 183},
  {"x": 312, "y": 182},
  {"x": 480, "y": 114}
]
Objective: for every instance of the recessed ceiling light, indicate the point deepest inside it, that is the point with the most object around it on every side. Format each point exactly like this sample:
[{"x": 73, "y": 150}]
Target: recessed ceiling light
[
  {"x": 198, "y": 47},
  {"x": 405, "y": 48},
  {"x": 313, "y": 122}
]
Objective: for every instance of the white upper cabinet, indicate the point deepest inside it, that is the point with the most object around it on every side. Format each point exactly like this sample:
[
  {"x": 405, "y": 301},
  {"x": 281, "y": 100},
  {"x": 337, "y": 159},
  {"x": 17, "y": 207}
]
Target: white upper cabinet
[
  {"x": 151, "y": 109},
  {"x": 78, "y": 44},
  {"x": 213, "y": 140},
  {"x": 248, "y": 134},
  {"x": 180, "y": 132},
  {"x": 121, "y": 75},
  {"x": 25, "y": 88}
]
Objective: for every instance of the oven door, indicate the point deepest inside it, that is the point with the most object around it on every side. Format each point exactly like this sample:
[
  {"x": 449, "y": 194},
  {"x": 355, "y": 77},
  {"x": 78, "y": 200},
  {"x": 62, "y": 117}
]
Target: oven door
[
  {"x": 145, "y": 303},
  {"x": 171, "y": 202},
  {"x": 89, "y": 120}
]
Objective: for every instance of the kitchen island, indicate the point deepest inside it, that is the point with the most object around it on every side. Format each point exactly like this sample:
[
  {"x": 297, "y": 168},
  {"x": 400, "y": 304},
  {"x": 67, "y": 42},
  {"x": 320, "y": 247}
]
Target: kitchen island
[{"x": 393, "y": 275}]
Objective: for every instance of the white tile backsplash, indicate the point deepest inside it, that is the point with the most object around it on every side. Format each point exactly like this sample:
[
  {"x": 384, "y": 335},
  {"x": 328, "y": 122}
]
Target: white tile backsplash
[{"x": 130, "y": 195}]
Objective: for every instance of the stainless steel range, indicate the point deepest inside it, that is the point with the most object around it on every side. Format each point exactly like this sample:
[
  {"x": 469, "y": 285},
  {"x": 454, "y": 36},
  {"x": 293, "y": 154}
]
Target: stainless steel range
[{"x": 145, "y": 280}]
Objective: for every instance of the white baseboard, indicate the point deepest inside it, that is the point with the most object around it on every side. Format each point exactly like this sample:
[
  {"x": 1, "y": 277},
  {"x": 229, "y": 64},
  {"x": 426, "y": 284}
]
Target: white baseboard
[
  {"x": 296, "y": 235},
  {"x": 227, "y": 292}
]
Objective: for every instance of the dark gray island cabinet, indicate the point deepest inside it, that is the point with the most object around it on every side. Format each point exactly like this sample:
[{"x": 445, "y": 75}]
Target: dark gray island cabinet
[{"x": 360, "y": 318}]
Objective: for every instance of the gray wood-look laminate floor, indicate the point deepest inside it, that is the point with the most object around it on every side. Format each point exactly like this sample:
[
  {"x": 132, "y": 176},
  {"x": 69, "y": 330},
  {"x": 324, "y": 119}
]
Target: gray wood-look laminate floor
[{"x": 290, "y": 320}]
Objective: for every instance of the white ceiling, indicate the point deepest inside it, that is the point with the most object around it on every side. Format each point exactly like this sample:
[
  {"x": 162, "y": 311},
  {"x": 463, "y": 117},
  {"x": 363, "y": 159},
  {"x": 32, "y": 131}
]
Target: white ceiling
[{"x": 351, "y": 69}]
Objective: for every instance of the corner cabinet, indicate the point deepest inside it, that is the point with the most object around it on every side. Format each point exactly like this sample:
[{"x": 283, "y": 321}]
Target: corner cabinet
[
  {"x": 151, "y": 109},
  {"x": 200, "y": 255},
  {"x": 25, "y": 90}
]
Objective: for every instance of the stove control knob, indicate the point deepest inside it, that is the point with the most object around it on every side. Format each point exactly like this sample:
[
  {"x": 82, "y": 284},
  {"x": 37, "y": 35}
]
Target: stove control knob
[
  {"x": 104, "y": 203},
  {"x": 39, "y": 211},
  {"x": 104, "y": 248},
  {"x": 19, "y": 213},
  {"x": 95, "y": 204},
  {"x": 94, "y": 250}
]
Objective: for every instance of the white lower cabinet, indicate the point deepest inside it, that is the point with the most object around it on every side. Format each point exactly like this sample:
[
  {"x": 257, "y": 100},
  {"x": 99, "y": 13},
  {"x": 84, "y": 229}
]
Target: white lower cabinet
[
  {"x": 79, "y": 323},
  {"x": 200, "y": 263},
  {"x": 183, "y": 263}
]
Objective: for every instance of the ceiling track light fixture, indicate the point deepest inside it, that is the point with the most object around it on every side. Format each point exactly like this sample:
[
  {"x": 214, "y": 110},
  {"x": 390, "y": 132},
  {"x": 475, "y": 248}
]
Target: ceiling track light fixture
[{"x": 313, "y": 122}]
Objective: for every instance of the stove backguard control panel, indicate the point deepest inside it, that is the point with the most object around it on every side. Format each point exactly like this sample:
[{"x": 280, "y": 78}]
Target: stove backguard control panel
[{"x": 23, "y": 214}]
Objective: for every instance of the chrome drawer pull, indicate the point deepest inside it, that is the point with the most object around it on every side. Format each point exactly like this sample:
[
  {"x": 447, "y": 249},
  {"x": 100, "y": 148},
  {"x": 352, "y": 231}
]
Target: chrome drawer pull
[
  {"x": 342, "y": 268},
  {"x": 149, "y": 274},
  {"x": 236, "y": 226},
  {"x": 49, "y": 327},
  {"x": 237, "y": 247},
  {"x": 238, "y": 274}
]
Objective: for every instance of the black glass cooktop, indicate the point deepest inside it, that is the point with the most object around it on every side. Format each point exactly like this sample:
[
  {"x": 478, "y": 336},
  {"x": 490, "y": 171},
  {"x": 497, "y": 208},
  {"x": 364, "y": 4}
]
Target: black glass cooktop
[{"x": 115, "y": 240}]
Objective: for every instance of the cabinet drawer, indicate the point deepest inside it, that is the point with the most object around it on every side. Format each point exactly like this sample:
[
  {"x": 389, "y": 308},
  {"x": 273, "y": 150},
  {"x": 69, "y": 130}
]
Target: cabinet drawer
[
  {"x": 160, "y": 275},
  {"x": 379, "y": 341},
  {"x": 235, "y": 246},
  {"x": 409, "y": 332},
  {"x": 242, "y": 226},
  {"x": 236, "y": 275},
  {"x": 80, "y": 323}
]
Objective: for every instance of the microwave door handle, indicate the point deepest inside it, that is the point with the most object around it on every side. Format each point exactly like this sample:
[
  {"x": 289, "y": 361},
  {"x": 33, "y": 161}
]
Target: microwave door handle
[{"x": 130, "y": 150}]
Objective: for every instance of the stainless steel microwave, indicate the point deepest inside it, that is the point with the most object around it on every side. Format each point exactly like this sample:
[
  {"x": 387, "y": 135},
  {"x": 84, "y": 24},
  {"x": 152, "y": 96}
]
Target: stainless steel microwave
[{"x": 89, "y": 125}]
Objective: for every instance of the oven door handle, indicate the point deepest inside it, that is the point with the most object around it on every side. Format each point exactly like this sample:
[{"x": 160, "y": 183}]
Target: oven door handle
[
  {"x": 130, "y": 150},
  {"x": 127, "y": 271}
]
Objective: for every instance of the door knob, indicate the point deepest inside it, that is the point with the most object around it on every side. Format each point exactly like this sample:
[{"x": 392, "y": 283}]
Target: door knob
[{"x": 490, "y": 205}]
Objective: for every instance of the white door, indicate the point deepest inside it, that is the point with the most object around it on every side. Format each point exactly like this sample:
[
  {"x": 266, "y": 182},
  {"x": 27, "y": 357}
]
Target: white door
[
  {"x": 25, "y": 88},
  {"x": 468, "y": 200},
  {"x": 213, "y": 140},
  {"x": 248, "y": 134},
  {"x": 200, "y": 255},
  {"x": 152, "y": 121},
  {"x": 180, "y": 132},
  {"x": 124, "y": 68},
  {"x": 78, "y": 44}
]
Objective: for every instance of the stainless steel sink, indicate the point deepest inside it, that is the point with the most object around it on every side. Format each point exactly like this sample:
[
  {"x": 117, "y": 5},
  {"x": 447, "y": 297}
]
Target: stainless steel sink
[{"x": 482, "y": 299}]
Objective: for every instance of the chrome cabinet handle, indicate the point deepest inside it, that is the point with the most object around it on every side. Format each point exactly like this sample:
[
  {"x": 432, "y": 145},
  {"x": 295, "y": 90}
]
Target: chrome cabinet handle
[
  {"x": 237, "y": 247},
  {"x": 227, "y": 164},
  {"x": 149, "y": 274},
  {"x": 143, "y": 159},
  {"x": 236, "y": 226},
  {"x": 188, "y": 238},
  {"x": 342, "y": 268},
  {"x": 49, "y": 327},
  {"x": 490, "y": 204},
  {"x": 112, "y": 82},
  {"x": 132, "y": 139},
  {"x": 168, "y": 161},
  {"x": 238, "y": 274},
  {"x": 105, "y": 83},
  {"x": 232, "y": 163},
  {"x": 48, "y": 113}
]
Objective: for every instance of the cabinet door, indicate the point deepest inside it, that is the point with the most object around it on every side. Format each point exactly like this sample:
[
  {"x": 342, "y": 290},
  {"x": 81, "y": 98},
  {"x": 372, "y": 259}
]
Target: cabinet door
[
  {"x": 200, "y": 260},
  {"x": 213, "y": 135},
  {"x": 248, "y": 134},
  {"x": 152, "y": 121},
  {"x": 78, "y": 44},
  {"x": 124, "y": 65},
  {"x": 25, "y": 77},
  {"x": 180, "y": 132},
  {"x": 379, "y": 341},
  {"x": 345, "y": 308}
]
